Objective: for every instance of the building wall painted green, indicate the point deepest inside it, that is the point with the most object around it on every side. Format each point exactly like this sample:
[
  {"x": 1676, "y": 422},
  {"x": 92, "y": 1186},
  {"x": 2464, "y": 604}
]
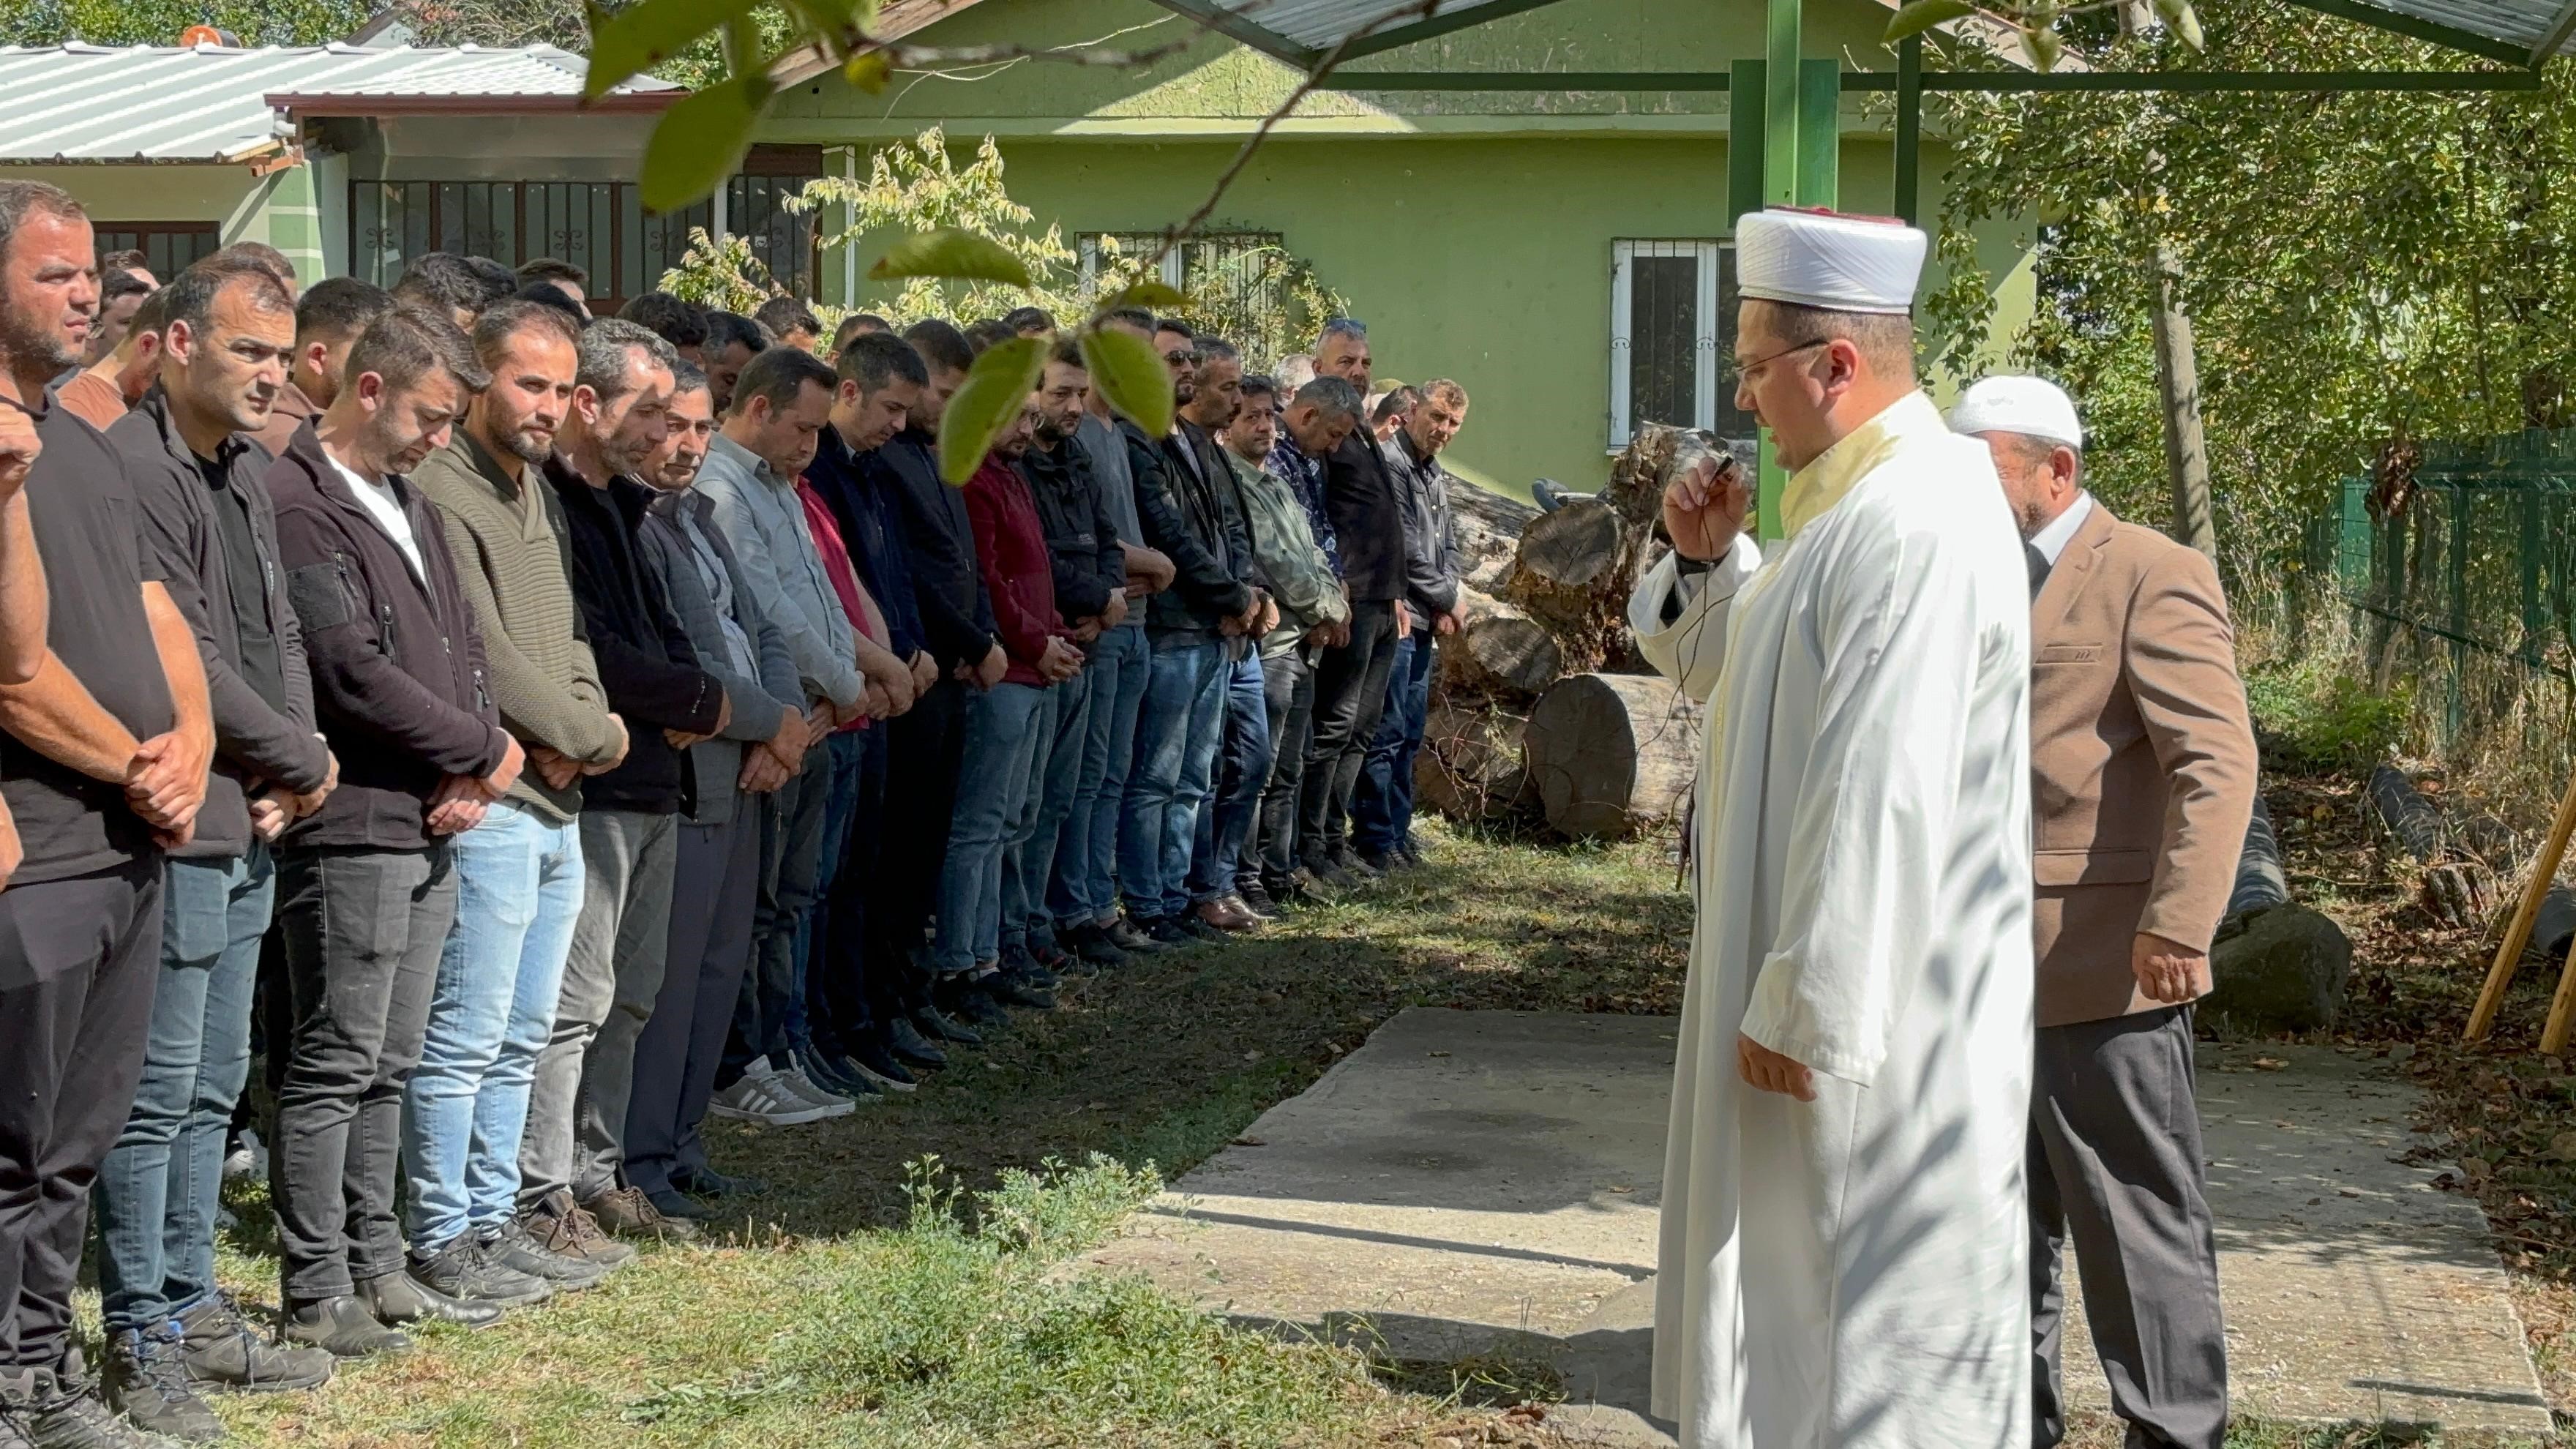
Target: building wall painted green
[{"x": 278, "y": 208}]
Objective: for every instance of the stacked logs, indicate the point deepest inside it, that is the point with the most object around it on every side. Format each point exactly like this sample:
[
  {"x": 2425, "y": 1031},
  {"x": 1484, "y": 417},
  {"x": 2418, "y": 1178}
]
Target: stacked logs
[{"x": 1541, "y": 703}]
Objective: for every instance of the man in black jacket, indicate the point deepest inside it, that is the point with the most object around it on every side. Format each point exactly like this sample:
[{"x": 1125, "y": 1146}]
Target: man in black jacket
[
  {"x": 571, "y": 1154},
  {"x": 1090, "y": 570},
  {"x": 366, "y": 887},
  {"x": 1184, "y": 498},
  {"x": 206, "y": 515},
  {"x": 1350, "y": 681},
  {"x": 925, "y": 746},
  {"x": 1381, "y": 809}
]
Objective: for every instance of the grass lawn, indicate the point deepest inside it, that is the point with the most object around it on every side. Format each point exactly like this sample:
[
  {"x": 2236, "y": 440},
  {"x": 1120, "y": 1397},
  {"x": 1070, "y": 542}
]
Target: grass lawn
[{"x": 896, "y": 1287}]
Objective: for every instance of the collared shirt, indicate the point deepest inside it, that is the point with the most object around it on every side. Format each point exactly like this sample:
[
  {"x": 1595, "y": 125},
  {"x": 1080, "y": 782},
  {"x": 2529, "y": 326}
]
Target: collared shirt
[
  {"x": 1300, "y": 578},
  {"x": 718, "y": 582},
  {"x": 2052, "y": 540},
  {"x": 1305, "y": 479},
  {"x": 763, "y": 519},
  {"x": 387, "y": 510}
]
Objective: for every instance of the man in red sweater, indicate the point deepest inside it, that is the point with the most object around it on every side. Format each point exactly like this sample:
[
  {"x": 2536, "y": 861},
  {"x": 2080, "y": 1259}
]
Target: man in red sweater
[{"x": 1001, "y": 722}]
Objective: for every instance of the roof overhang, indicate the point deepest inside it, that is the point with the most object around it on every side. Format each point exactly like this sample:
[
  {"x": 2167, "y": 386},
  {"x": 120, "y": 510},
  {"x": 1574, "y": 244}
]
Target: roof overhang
[
  {"x": 895, "y": 20},
  {"x": 615, "y": 103}
]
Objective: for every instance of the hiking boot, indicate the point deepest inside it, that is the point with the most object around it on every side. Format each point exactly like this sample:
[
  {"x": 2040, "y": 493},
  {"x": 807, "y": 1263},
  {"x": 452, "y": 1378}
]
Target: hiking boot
[
  {"x": 760, "y": 1097},
  {"x": 61, "y": 1409},
  {"x": 1249, "y": 895},
  {"x": 834, "y": 1104},
  {"x": 935, "y": 1025},
  {"x": 628, "y": 1213},
  {"x": 707, "y": 1182},
  {"x": 148, "y": 1383},
  {"x": 401, "y": 1298},
  {"x": 348, "y": 1327},
  {"x": 560, "y": 1226},
  {"x": 912, "y": 1048},
  {"x": 222, "y": 1352},
  {"x": 461, "y": 1269},
  {"x": 510, "y": 1246},
  {"x": 679, "y": 1206},
  {"x": 1017, "y": 990},
  {"x": 1131, "y": 937},
  {"x": 871, "y": 1060}
]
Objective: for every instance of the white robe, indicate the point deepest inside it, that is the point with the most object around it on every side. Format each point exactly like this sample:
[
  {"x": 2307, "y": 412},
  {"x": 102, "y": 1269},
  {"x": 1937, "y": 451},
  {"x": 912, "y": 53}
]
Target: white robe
[{"x": 1850, "y": 1272}]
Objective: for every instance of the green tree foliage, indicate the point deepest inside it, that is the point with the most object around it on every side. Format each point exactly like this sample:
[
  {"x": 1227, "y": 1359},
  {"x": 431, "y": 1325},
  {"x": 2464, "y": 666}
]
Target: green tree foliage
[
  {"x": 161, "y": 22},
  {"x": 2362, "y": 269}
]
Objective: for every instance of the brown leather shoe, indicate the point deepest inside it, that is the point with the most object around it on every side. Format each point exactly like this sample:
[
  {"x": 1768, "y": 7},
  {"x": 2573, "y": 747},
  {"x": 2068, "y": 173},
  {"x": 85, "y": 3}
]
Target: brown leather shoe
[
  {"x": 628, "y": 1213},
  {"x": 1223, "y": 914},
  {"x": 562, "y": 1228}
]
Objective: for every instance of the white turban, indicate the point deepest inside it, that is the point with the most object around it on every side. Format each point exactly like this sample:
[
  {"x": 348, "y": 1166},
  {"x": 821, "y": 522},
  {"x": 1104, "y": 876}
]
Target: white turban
[
  {"x": 2034, "y": 407},
  {"x": 1825, "y": 259}
]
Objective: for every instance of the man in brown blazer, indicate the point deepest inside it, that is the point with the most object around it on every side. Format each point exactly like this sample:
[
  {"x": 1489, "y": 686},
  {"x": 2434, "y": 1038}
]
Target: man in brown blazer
[{"x": 2143, "y": 777}]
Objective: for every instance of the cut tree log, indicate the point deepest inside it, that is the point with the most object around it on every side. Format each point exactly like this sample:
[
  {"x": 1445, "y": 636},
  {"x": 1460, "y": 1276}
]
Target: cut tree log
[
  {"x": 1488, "y": 526},
  {"x": 2457, "y": 886},
  {"x": 1502, "y": 654},
  {"x": 1612, "y": 755},
  {"x": 1470, "y": 765}
]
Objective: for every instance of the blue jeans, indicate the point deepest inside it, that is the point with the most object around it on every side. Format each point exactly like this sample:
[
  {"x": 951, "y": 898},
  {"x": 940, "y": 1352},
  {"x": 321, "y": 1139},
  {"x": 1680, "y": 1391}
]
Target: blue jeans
[
  {"x": 160, "y": 1186},
  {"x": 1177, "y": 734},
  {"x": 1063, "y": 728},
  {"x": 1382, "y": 806},
  {"x": 1085, "y": 888},
  {"x": 840, "y": 807},
  {"x": 1001, "y": 745},
  {"x": 1242, "y": 770},
  {"x": 518, "y": 896}
]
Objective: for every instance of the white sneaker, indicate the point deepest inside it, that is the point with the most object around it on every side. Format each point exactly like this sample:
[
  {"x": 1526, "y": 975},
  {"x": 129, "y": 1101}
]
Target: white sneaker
[
  {"x": 761, "y": 1097},
  {"x": 832, "y": 1103}
]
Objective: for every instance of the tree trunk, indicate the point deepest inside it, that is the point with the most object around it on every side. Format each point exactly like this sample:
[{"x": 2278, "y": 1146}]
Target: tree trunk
[
  {"x": 1502, "y": 654},
  {"x": 1470, "y": 765},
  {"x": 1612, "y": 754},
  {"x": 1489, "y": 534},
  {"x": 2178, "y": 379}
]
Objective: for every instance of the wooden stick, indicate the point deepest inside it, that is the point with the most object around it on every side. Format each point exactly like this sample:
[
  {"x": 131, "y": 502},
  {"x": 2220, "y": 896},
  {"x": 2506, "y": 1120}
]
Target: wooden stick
[{"x": 2517, "y": 935}]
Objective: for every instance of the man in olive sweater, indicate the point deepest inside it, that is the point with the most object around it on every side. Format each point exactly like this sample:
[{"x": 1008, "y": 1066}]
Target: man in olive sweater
[{"x": 519, "y": 873}]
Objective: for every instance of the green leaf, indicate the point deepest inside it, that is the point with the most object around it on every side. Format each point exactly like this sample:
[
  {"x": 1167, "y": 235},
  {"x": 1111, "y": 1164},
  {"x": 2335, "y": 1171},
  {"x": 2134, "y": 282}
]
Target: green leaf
[
  {"x": 870, "y": 72},
  {"x": 2179, "y": 18},
  {"x": 2042, "y": 46},
  {"x": 1131, "y": 375},
  {"x": 1921, "y": 15},
  {"x": 625, "y": 43},
  {"x": 1147, "y": 293},
  {"x": 950, "y": 252},
  {"x": 995, "y": 390},
  {"x": 701, "y": 141}
]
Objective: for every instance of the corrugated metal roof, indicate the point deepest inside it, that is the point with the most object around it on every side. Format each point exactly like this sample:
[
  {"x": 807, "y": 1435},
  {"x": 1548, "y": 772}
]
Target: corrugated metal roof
[{"x": 209, "y": 103}]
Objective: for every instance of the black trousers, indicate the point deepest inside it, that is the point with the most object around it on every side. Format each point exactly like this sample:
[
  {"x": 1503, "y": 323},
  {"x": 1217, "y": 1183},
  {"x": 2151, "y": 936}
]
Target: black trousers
[
  {"x": 1288, "y": 693},
  {"x": 2115, "y": 1164},
  {"x": 925, "y": 748},
  {"x": 1350, "y": 695},
  {"x": 78, "y": 961},
  {"x": 845, "y": 995},
  {"x": 363, "y": 933},
  {"x": 713, "y": 889}
]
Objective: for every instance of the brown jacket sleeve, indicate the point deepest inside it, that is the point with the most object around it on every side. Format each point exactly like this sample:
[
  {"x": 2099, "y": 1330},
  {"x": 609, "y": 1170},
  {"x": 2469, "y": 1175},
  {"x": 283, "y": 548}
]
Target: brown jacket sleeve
[{"x": 2181, "y": 669}]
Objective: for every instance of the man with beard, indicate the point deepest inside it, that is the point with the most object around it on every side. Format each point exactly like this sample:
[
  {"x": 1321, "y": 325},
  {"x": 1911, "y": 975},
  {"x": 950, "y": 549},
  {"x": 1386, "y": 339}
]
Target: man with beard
[
  {"x": 367, "y": 882},
  {"x": 715, "y": 884},
  {"x": 209, "y": 521},
  {"x": 109, "y": 737},
  {"x": 733, "y": 340},
  {"x": 519, "y": 875},
  {"x": 107, "y": 389},
  {"x": 1090, "y": 571},
  {"x": 620, "y": 414},
  {"x": 119, "y": 293},
  {"x": 328, "y": 319},
  {"x": 1382, "y": 806}
]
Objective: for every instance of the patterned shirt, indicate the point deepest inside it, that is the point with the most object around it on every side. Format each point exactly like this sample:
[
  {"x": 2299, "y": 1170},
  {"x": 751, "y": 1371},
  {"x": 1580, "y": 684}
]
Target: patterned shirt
[{"x": 1306, "y": 480}]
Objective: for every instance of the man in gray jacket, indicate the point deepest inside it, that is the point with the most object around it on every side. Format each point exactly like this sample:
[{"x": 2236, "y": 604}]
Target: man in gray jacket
[
  {"x": 1382, "y": 806},
  {"x": 207, "y": 518},
  {"x": 716, "y": 886}
]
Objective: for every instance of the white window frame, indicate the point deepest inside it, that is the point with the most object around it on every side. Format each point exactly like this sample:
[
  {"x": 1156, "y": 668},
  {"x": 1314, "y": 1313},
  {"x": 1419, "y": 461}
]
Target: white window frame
[
  {"x": 1704, "y": 331},
  {"x": 1088, "y": 249}
]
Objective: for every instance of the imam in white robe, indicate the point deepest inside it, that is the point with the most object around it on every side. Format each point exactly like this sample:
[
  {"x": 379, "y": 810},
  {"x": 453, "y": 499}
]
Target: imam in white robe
[{"x": 1850, "y": 1271}]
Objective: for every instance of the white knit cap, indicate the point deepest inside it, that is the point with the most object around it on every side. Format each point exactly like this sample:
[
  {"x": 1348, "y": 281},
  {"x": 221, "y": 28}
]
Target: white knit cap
[
  {"x": 2034, "y": 407},
  {"x": 1826, "y": 259}
]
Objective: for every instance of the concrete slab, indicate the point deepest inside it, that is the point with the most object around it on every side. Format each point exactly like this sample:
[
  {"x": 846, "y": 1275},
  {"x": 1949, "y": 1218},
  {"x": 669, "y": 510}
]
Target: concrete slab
[{"x": 1486, "y": 1183}]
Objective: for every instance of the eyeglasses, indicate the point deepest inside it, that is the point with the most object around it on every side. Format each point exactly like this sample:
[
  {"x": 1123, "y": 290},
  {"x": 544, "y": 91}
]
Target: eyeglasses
[
  {"x": 1180, "y": 359},
  {"x": 1738, "y": 372}
]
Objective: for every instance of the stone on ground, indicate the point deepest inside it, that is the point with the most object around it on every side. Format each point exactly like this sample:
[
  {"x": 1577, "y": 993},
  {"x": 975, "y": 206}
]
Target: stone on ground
[
  {"x": 2282, "y": 969},
  {"x": 1485, "y": 1184}
]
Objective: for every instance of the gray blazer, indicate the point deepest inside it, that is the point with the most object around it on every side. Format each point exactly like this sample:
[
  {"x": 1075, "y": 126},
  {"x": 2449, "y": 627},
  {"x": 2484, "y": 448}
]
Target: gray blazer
[{"x": 714, "y": 765}]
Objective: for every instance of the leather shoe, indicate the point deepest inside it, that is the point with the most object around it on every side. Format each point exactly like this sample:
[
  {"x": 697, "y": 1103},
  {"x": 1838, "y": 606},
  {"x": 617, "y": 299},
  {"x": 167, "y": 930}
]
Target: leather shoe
[
  {"x": 1132, "y": 937},
  {"x": 908, "y": 1044},
  {"x": 347, "y": 1326},
  {"x": 401, "y": 1298},
  {"x": 1017, "y": 990},
  {"x": 870, "y": 1059},
  {"x": 1201, "y": 929},
  {"x": 1092, "y": 944},
  {"x": 1221, "y": 914},
  {"x": 934, "y": 1023},
  {"x": 965, "y": 998}
]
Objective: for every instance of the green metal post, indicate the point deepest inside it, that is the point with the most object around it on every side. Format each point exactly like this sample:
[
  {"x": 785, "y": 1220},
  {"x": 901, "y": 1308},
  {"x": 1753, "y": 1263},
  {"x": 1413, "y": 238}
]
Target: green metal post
[
  {"x": 2534, "y": 621},
  {"x": 1909, "y": 127},
  {"x": 1820, "y": 113},
  {"x": 1744, "y": 143},
  {"x": 1781, "y": 89}
]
